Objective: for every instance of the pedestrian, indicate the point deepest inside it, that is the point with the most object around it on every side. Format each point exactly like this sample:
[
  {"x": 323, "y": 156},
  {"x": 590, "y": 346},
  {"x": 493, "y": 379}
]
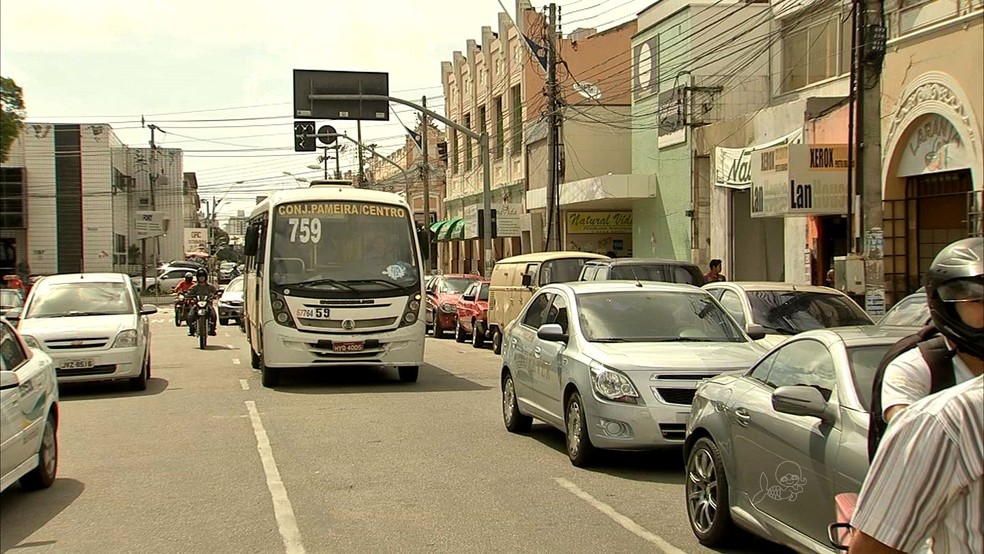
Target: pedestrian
[
  {"x": 715, "y": 272},
  {"x": 829, "y": 280},
  {"x": 927, "y": 480}
]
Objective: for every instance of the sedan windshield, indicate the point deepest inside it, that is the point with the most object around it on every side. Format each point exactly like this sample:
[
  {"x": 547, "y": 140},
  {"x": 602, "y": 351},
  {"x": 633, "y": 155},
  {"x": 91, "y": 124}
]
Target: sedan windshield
[
  {"x": 912, "y": 311},
  {"x": 236, "y": 285},
  {"x": 651, "y": 316},
  {"x": 78, "y": 299},
  {"x": 792, "y": 312},
  {"x": 483, "y": 293},
  {"x": 343, "y": 246},
  {"x": 454, "y": 285},
  {"x": 864, "y": 364},
  {"x": 10, "y": 298}
]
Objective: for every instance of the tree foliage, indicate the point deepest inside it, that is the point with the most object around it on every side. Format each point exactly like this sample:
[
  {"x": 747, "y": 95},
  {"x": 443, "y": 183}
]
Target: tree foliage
[{"x": 11, "y": 114}]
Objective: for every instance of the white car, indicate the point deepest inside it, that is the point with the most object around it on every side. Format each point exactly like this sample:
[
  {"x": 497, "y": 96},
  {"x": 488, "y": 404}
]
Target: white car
[
  {"x": 28, "y": 414},
  {"x": 91, "y": 324}
]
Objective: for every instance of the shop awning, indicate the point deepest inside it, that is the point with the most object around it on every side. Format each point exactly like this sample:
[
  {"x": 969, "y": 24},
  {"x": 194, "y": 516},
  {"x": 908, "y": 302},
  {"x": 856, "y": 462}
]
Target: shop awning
[{"x": 450, "y": 229}]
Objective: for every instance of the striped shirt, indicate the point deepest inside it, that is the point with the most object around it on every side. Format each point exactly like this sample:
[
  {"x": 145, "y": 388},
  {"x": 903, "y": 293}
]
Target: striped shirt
[{"x": 927, "y": 480}]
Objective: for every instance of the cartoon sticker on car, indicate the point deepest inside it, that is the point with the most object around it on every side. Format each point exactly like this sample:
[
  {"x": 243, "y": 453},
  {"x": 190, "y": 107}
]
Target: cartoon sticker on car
[{"x": 790, "y": 484}]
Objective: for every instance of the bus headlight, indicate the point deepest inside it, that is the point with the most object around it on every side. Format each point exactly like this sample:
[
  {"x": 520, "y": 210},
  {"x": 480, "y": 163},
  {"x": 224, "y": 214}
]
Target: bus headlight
[
  {"x": 409, "y": 317},
  {"x": 281, "y": 314},
  {"x": 411, "y": 312}
]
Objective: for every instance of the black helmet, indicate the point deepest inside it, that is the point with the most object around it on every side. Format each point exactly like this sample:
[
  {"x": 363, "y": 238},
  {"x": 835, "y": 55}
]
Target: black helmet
[
  {"x": 202, "y": 274},
  {"x": 957, "y": 275},
  {"x": 189, "y": 276}
]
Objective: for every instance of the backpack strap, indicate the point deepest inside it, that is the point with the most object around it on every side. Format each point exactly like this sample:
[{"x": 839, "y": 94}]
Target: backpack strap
[{"x": 940, "y": 360}]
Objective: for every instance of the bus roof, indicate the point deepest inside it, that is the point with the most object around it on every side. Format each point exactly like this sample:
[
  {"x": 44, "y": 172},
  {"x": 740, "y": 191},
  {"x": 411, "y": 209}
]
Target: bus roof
[{"x": 327, "y": 192}]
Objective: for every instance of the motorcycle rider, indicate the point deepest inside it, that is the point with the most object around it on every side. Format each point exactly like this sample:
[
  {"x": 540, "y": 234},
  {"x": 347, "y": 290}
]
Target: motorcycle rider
[
  {"x": 202, "y": 288},
  {"x": 189, "y": 281}
]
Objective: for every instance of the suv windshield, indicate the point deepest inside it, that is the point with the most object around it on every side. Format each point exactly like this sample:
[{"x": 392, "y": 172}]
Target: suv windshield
[
  {"x": 650, "y": 316},
  {"x": 792, "y": 312},
  {"x": 912, "y": 311},
  {"x": 77, "y": 299},
  {"x": 665, "y": 273},
  {"x": 343, "y": 246},
  {"x": 561, "y": 271}
]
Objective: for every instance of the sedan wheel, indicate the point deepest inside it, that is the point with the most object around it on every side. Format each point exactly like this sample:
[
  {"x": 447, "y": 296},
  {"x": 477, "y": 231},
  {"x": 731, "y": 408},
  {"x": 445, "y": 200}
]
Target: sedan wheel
[
  {"x": 478, "y": 336},
  {"x": 43, "y": 476},
  {"x": 707, "y": 494},
  {"x": 459, "y": 333},
  {"x": 515, "y": 421},
  {"x": 579, "y": 447}
]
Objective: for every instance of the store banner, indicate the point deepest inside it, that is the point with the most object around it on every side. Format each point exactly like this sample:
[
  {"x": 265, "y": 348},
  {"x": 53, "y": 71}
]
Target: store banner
[
  {"x": 800, "y": 179},
  {"x": 733, "y": 166},
  {"x": 599, "y": 222}
]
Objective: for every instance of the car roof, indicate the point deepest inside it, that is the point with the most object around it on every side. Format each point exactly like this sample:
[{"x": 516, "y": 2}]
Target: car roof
[
  {"x": 773, "y": 285},
  {"x": 84, "y": 277},
  {"x": 547, "y": 256},
  {"x": 586, "y": 287},
  {"x": 641, "y": 261},
  {"x": 858, "y": 335}
]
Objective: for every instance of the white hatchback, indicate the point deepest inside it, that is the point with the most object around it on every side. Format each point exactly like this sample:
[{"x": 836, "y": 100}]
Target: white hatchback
[
  {"x": 91, "y": 324},
  {"x": 28, "y": 414}
]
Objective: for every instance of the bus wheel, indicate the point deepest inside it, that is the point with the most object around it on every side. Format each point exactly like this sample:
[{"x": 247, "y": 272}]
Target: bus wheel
[
  {"x": 408, "y": 373},
  {"x": 270, "y": 376}
]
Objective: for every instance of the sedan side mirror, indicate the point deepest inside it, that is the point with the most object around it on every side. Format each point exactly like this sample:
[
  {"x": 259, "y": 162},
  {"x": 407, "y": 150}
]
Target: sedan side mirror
[
  {"x": 801, "y": 400},
  {"x": 148, "y": 309},
  {"x": 13, "y": 315},
  {"x": 468, "y": 298},
  {"x": 756, "y": 332},
  {"x": 552, "y": 332},
  {"x": 8, "y": 380}
]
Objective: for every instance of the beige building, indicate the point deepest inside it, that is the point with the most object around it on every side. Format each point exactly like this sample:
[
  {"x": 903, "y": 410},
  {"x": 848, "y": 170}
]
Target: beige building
[{"x": 932, "y": 118}]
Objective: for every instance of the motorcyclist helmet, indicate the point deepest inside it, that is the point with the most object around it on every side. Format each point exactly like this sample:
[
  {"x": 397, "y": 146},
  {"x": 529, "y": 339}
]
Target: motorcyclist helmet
[
  {"x": 957, "y": 275},
  {"x": 202, "y": 275},
  {"x": 189, "y": 277}
]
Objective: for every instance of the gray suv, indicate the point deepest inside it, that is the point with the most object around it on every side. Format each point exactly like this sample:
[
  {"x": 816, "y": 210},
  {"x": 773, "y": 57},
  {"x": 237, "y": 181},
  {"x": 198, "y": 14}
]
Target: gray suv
[{"x": 642, "y": 269}]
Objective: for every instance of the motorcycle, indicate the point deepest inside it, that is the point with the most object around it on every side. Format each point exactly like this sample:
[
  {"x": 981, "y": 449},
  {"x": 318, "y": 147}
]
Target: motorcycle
[
  {"x": 202, "y": 307},
  {"x": 180, "y": 309}
]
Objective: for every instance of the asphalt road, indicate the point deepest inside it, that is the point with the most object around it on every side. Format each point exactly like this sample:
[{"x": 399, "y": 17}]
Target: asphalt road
[{"x": 207, "y": 460}]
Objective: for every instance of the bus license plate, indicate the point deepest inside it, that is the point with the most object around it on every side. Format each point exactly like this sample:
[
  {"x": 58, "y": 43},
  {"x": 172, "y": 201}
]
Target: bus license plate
[
  {"x": 84, "y": 363},
  {"x": 312, "y": 313},
  {"x": 347, "y": 346}
]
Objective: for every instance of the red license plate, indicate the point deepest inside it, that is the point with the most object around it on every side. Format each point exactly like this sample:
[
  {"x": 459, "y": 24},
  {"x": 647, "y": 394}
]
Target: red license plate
[{"x": 347, "y": 346}]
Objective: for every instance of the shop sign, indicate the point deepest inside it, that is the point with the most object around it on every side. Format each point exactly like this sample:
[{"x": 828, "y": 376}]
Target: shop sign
[
  {"x": 508, "y": 217},
  {"x": 935, "y": 145},
  {"x": 599, "y": 222},
  {"x": 733, "y": 166},
  {"x": 149, "y": 224},
  {"x": 196, "y": 240},
  {"x": 799, "y": 179}
]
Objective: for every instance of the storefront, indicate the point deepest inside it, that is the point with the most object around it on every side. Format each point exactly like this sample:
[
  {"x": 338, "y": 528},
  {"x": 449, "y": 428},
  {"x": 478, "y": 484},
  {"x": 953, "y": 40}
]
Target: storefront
[
  {"x": 464, "y": 251},
  {"x": 608, "y": 233}
]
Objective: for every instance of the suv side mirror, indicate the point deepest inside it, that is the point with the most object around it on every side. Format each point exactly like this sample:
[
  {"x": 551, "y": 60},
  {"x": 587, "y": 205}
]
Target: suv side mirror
[{"x": 527, "y": 280}]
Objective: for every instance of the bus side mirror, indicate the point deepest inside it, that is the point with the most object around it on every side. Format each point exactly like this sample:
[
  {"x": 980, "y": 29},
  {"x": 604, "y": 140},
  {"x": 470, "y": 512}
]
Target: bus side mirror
[
  {"x": 251, "y": 241},
  {"x": 527, "y": 280}
]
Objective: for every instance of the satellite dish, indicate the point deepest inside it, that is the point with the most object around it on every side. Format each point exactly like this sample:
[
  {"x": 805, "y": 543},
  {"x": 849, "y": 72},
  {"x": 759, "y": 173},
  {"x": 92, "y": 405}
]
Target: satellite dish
[{"x": 588, "y": 90}]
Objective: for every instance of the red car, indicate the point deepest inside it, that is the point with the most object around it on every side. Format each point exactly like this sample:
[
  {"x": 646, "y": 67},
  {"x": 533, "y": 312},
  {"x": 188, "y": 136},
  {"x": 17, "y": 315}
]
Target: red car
[
  {"x": 442, "y": 301},
  {"x": 473, "y": 312}
]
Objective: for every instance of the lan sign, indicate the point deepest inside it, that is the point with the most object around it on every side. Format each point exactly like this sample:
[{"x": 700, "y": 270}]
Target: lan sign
[{"x": 799, "y": 179}]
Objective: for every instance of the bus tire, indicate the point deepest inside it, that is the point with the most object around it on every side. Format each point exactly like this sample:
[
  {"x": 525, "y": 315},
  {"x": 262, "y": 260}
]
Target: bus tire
[
  {"x": 254, "y": 358},
  {"x": 270, "y": 376},
  {"x": 496, "y": 340},
  {"x": 408, "y": 373}
]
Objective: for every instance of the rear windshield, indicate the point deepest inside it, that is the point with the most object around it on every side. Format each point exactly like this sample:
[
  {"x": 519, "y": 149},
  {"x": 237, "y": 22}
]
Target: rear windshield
[
  {"x": 792, "y": 312},
  {"x": 658, "y": 272},
  {"x": 912, "y": 311}
]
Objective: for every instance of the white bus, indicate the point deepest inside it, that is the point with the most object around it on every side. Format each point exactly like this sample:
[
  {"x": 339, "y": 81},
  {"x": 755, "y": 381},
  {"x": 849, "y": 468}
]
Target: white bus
[{"x": 333, "y": 278}]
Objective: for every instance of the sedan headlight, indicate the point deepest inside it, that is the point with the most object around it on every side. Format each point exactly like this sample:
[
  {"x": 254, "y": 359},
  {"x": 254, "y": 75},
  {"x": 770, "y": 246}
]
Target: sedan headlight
[
  {"x": 613, "y": 385},
  {"x": 126, "y": 339},
  {"x": 448, "y": 308},
  {"x": 31, "y": 342}
]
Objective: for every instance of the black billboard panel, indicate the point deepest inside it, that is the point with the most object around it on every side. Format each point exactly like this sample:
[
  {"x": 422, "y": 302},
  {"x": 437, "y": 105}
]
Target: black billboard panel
[{"x": 309, "y": 82}]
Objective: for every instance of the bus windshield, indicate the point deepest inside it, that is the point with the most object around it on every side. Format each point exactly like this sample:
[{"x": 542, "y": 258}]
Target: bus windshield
[{"x": 344, "y": 246}]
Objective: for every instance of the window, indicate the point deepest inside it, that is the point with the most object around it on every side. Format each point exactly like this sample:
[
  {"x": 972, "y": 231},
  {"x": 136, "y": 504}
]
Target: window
[
  {"x": 732, "y": 304},
  {"x": 815, "y": 47},
  {"x": 558, "y": 313},
  {"x": 12, "y": 355},
  {"x": 864, "y": 364},
  {"x": 563, "y": 270},
  {"x": 468, "y": 144},
  {"x": 589, "y": 273},
  {"x": 536, "y": 313},
  {"x": 517, "y": 120},
  {"x": 761, "y": 371},
  {"x": 500, "y": 139},
  {"x": 454, "y": 151},
  {"x": 916, "y": 14},
  {"x": 804, "y": 362},
  {"x": 12, "y": 198},
  {"x": 119, "y": 249}
]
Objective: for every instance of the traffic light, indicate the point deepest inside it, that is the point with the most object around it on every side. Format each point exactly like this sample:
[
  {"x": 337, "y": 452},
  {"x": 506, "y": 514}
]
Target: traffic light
[
  {"x": 304, "y": 136},
  {"x": 442, "y": 151},
  {"x": 481, "y": 224}
]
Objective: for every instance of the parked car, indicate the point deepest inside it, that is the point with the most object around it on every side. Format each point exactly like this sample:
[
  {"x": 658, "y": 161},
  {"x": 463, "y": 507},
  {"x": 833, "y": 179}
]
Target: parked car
[
  {"x": 91, "y": 324},
  {"x": 169, "y": 279},
  {"x": 911, "y": 312},
  {"x": 227, "y": 272},
  {"x": 28, "y": 414},
  {"x": 615, "y": 365},
  {"x": 442, "y": 301},
  {"x": 515, "y": 279},
  {"x": 769, "y": 449},
  {"x": 472, "y": 316},
  {"x": 231, "y": 302},
  {"x": 642, "y": 269},
  {"x": 10, "y": 299},
  {"x": 785, "y": 309}
]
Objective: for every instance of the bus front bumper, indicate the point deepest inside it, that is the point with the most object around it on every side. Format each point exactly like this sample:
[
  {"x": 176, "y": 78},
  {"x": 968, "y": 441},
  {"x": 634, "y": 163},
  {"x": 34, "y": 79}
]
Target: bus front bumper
[{"x": 286, "y": 348}]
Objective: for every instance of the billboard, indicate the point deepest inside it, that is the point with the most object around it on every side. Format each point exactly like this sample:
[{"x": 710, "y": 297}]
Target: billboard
[
  {"x": 800, "y": 179},
  {"x": 196, "y": 240},
  {"x": 147, "y": 224}
]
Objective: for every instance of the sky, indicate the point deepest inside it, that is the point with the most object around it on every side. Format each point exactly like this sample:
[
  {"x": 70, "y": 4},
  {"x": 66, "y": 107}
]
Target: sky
[{"x": 216, "y": 75}]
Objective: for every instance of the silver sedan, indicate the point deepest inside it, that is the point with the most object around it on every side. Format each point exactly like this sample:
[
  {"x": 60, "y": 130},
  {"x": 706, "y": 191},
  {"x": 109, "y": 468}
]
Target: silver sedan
[{"x": 615, "y": 364}]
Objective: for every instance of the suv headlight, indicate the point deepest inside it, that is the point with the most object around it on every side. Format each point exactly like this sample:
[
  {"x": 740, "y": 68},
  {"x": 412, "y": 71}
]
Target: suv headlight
[
  {"x": 31, "y": 342},
  {"x": 126, "y": 339},
  {"x": 613, "y": 385},
  {"x": 448, "y": 308}
]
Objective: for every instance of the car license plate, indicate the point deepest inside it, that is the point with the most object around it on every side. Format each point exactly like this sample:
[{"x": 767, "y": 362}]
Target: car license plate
[
  {"x": 347, "y": 346},
  {"x": 84, "y": 363},
  {"x": 312, "y": 313}
]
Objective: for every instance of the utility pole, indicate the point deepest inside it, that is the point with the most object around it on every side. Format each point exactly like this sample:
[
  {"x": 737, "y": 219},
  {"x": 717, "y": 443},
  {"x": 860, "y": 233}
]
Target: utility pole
[
  {"x": 338, "y": 163},
  {"x": 358, "y": 126},
  {"x": 426, "y": 182},
  {"x": 553, "y": 185},
  {"x": 872, "y": 53}
]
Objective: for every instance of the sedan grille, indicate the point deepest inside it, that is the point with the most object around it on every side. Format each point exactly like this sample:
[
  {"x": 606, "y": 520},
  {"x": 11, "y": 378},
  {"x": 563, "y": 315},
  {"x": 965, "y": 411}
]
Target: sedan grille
[
  {"x": 71, "y": 344},
  {"x": 676, "y": 396}
]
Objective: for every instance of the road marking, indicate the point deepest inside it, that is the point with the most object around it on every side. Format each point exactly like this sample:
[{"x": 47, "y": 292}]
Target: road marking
[
  {"x": 622, "y": 520},
  {"x": 282, "y": 509},
  {"x": 235, "y": 361},
  {"x": 226, "y": 335},
  {"x": 244, "y": 384}
]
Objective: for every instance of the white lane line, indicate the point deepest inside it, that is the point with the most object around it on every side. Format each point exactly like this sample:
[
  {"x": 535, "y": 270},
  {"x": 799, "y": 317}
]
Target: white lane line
[
  {"x": 282, "y": 509},
  {"x": 622, "y": 520},
  {"x": 244, "y": 384},
  {"x": 226, "y": 335},
  {"x": 235, "y": 361}
]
